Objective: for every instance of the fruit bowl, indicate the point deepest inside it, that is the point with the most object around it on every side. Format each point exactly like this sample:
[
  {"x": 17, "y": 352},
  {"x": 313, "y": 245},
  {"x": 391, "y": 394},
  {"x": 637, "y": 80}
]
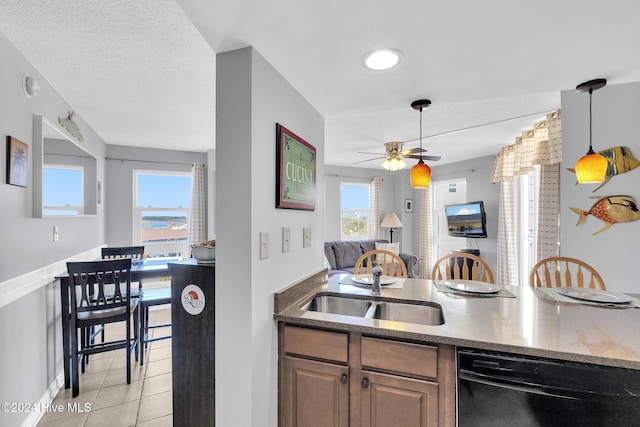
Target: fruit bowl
[{"x": 204, "y": 252}]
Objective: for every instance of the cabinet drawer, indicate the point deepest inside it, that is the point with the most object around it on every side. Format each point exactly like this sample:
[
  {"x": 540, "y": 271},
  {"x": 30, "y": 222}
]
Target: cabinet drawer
[
  {"x": 400, "y": 357},
  {"x": 316, "y": 343}
]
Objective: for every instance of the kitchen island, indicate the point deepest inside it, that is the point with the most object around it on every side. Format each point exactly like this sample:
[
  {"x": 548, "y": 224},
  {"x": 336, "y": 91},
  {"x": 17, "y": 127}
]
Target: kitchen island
[
  {"x": 357, "y": 369},
  {"x": 531, "y": 323}
]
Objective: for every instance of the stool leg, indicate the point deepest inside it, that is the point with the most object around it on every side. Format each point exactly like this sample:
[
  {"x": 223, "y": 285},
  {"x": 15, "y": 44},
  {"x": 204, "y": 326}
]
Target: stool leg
[{"x": 142, "y": 334}]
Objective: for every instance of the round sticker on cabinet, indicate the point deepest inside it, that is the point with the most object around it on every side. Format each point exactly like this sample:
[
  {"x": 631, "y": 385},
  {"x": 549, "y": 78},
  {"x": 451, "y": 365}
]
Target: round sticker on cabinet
[{"x": 192, "y": 299}]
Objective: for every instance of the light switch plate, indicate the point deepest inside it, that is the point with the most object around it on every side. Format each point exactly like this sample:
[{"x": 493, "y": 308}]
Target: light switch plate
[
  {"x": 56, "y": 233},
  {"x": 306, "y": 237},
  {"x": 264, "y": 245},
  {"x": 286, "y": 239}
]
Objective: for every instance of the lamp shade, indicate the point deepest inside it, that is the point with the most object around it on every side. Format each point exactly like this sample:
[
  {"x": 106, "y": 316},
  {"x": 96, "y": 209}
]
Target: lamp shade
[
  {"x": 420, "y": 175},
  {"x": 391, "y": 220},
  {"x": 591, "y": 168}
]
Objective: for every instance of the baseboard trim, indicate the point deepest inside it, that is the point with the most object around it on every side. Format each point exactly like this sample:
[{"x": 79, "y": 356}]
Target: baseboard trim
[{"x": 45, "y": 401}]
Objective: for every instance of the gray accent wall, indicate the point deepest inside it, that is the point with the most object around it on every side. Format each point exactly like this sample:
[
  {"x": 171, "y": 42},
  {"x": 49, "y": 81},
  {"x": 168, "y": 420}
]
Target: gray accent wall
[
  {"x": 30, "y": 356},
  {"x": 251, "y": 97},
  {"x": 120, "y": 183}
]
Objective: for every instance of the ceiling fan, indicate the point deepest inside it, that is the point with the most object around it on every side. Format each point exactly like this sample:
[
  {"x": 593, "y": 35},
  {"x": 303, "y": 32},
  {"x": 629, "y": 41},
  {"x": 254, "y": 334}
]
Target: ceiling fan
[{"x": 395, "y": 154}]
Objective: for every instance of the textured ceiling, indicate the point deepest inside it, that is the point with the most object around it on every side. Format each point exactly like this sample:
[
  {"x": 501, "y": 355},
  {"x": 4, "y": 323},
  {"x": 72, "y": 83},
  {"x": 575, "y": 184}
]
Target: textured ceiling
[
  {"x": 141, "y": 74},
  {"x": 138, "y": 72}
]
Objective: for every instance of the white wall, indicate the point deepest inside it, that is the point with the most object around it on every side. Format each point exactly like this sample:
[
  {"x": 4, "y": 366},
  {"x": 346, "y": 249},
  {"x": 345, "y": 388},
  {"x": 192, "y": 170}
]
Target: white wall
[
  {"x": 614, "y": 252},
  {"x": 30, "y": 357},
  {"x": 251, "y": 98}
]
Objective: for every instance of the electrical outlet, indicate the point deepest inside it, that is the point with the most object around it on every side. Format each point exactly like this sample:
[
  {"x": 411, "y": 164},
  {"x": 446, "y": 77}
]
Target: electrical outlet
[
  {"x": 306, "y": 237},
  {"x": 56, "y": 233},
  {"x": 264, "y": 245},
  {"x": 286, "y": 239}
]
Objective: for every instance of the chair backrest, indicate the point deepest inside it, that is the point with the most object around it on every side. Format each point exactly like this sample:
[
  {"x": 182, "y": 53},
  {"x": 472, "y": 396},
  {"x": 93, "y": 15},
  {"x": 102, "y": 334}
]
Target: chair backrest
[
  {"x": 89, "y": 279},
  {"x": 464, "y": 266},
  {"x": 559, "y": 271},
  {"x": 391, "y": 264},
  {"x": 134, "y": 252}
]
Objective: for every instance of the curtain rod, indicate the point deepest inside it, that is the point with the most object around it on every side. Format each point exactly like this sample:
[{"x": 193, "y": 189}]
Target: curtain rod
[
  {"x": 335, "y": 175},
  {"x": 150, "y": 161}
]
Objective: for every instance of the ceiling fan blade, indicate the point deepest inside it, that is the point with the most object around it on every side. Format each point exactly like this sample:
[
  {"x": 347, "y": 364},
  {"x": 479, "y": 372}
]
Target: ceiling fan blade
[
  {"x": 369, "y": 160},
  {"x": 411, "y": 151},
  {"x": 375, "y": 154},
  {"x": 417, "y": 156}
]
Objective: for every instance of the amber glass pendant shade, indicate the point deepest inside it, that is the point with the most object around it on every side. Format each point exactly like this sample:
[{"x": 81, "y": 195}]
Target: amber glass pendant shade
[
  {"x": 420, "y": 175},
  {"x": 591, "y": 168}
]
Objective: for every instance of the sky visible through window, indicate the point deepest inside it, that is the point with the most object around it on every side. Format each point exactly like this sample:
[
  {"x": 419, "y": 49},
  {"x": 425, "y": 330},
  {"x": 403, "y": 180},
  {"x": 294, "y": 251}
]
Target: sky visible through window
[
  {"x": 164, "y": 191},
  {"x": 61, "y": 187},
  {"x": 354, "y": 196}
]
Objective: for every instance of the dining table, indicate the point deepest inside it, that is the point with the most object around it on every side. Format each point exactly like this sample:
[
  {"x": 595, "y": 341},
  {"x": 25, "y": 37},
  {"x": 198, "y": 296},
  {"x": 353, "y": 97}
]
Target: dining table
[{"x": 148, "y": 268}]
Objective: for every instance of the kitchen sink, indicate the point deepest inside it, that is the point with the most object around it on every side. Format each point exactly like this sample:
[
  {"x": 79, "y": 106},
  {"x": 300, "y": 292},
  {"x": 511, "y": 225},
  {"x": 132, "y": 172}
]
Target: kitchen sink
[
  {"x": 409, "y": 313},
  {"x": 338, "y": 305},
  {"x": 422, "y": 313}
]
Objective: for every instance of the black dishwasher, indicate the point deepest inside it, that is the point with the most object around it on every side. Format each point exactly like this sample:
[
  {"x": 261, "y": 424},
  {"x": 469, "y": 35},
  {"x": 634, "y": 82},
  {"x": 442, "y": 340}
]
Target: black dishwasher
[{"x": 503, "y": 389}]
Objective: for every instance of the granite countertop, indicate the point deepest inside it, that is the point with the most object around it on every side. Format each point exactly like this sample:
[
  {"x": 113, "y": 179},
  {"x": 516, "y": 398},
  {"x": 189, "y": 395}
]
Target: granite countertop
[{"x": 532, "y": 323}]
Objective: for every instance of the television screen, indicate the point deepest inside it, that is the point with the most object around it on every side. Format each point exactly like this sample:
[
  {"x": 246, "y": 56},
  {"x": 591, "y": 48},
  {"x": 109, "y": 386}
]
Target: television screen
[{"x": 466, "y": 219}]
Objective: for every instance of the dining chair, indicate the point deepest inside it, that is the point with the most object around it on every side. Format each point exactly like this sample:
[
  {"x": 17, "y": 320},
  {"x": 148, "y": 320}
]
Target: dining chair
[
  {"x": 559, "y": 271},
  {"x": 151, "y": 298},
  {"x": 92, "y": 305},
  {"x": 464, "y": 266},
  {"x": 391, "y": 263}
]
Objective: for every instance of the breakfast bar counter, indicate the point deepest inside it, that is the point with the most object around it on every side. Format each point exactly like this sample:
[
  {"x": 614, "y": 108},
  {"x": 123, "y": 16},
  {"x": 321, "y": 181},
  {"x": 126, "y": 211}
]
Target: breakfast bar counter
[{"x": 529, "y": 322}]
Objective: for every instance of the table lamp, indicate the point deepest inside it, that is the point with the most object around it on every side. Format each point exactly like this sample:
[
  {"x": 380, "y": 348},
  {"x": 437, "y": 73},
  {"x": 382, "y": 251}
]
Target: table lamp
[{"x": 391, "y": 221}]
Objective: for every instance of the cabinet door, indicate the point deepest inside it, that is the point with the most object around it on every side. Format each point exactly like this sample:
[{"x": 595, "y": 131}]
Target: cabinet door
[
  {"x": 315, "y": 394},
  {"x": 393, "y": 401}
]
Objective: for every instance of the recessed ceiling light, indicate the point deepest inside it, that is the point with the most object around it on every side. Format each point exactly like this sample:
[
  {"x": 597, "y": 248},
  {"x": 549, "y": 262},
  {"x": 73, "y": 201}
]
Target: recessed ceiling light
[{"x": 382, "y": 59}]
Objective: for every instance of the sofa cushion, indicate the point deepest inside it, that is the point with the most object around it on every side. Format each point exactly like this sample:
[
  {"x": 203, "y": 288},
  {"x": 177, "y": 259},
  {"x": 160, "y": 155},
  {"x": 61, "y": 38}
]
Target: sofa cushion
[
  {"x": 391, "y": 247},
  {"x": 367, "y": 245},
  {"x": 346, "y": 253},
  {"x": 330, "y": 257}
]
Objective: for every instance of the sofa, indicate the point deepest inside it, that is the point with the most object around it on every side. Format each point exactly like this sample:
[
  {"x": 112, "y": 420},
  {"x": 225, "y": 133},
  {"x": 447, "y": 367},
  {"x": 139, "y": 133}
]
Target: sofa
[{"x": 342, "y": 256}]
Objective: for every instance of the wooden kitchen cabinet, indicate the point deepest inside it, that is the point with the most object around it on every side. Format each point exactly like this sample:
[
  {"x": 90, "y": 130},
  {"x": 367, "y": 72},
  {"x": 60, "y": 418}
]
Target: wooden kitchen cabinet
[{"x": 331, "y": 378}]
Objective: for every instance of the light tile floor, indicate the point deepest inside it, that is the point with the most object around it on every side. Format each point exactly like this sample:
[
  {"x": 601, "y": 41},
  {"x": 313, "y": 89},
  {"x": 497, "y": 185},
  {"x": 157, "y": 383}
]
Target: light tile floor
[{"x": 105, "y": 394}]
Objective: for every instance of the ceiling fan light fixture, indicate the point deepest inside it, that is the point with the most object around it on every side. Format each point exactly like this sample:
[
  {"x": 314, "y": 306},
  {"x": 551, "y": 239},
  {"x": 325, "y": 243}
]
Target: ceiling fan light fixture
[
  {"x": 420, "y": 172},
  {"x": 592, "y": 167},
  {"x": 394, "y": 164},
  {"x": 382, "y": 59}
]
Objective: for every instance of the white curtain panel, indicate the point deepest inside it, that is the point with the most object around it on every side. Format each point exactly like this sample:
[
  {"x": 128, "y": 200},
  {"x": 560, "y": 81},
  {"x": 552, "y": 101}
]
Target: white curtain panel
[
  {"x": 507, "y": 263},
  {"x": 197, "y": 219},
  {"x": 426, "y": 233},
  {"x": 542, "y": 146},
  {"x": 374, "y": 208}
]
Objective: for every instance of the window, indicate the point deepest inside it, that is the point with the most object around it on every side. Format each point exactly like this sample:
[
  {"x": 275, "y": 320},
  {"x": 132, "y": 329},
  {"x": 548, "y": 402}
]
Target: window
[
  {"x": 161, "y": 212},
  {"x": 62, "y": 190},
  {"x": 526, "y": 189},
  {"x": 354, "y": 211}
]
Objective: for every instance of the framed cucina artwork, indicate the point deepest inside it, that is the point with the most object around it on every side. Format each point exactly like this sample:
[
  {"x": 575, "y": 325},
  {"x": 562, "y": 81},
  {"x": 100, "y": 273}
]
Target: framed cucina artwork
[{"x": 295, "y": 171}]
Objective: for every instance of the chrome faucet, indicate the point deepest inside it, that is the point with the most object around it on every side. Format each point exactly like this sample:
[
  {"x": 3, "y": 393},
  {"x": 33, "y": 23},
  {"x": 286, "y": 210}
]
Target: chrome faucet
[{"x": 376, "y": 289}]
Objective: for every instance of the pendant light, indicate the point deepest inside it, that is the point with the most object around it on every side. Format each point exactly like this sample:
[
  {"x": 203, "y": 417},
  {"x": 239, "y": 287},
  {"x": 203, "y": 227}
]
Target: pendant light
[
  {"x": 420, "y": 173},
  {"x": 592, "y": 167}
]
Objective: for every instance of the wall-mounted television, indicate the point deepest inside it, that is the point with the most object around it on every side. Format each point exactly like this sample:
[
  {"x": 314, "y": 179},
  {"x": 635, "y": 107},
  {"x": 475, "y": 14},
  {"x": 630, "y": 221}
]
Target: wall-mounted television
[{"x": 466, "y": 219}]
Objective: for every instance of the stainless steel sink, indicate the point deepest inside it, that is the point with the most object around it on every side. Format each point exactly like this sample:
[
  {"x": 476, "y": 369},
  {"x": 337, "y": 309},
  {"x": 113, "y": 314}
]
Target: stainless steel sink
[
  {"x": 421, "y": 313},
  {"x": 338, "y": 305},
  {"x": 409, "y": 313}
]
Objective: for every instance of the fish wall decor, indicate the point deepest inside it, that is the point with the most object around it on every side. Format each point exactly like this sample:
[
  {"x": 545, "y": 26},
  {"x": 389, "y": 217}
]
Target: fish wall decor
[
  {"x": 619, "y": 159},
  {"x": 70, "y": 126},
  {"x": 611, "y": 210}
]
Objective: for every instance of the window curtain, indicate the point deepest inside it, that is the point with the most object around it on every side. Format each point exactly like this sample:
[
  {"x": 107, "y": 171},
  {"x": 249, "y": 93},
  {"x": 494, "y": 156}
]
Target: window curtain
[
  {"x": 426, "y": 234},
  {"x": 374, "y": 208},
  {"x": 197, "y": 229},
  {"x": 542, "y": 146}
]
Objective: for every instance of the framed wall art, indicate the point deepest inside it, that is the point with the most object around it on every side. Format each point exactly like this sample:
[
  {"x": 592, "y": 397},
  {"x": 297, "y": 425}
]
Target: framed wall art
[
  {"x": 17, "y": 162},
  {"x": 295, "y": 171}
]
